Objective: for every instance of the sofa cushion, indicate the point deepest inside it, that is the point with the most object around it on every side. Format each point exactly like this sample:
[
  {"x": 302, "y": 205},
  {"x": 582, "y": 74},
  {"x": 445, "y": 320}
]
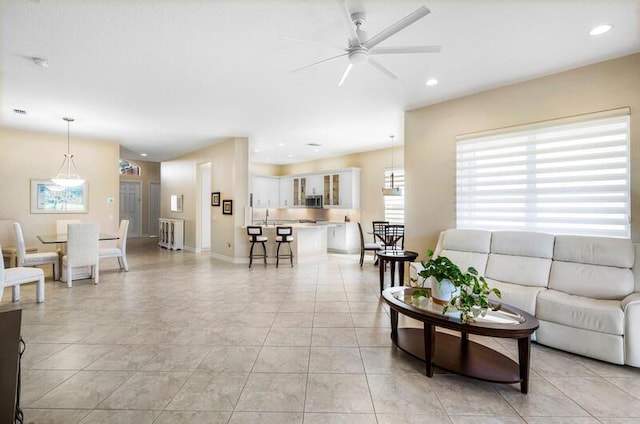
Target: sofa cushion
[
  {"x": 467, "y": 240},
  {"x": 464, "y": 260},
  {"x": 601, "y": 282},
  {"x": 522, "y": 270},
  {"x": 522, "y": 243},
  {"x": 605, "y": 251},
  {"x": 604, "y": 316},
  {"x": 522, "y": 297}
]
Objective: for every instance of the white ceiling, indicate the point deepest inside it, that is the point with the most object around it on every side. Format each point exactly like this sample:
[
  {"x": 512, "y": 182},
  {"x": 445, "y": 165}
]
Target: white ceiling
[{"x": 168, "y": 77}]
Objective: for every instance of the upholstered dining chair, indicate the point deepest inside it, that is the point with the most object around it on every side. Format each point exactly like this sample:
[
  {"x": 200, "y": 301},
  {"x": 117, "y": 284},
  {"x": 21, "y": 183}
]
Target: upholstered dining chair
[
  {"x": 120, "y": 251},
  {"x": 367, "y": 247},
  {"x": 82, "y": 250},
  {"x": 14, "y": 277},
  {"x": 38, "y": 258}
]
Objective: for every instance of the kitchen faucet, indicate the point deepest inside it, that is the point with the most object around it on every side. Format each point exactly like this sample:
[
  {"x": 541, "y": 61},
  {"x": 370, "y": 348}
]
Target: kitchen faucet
[{"x": 266, "y": 217}]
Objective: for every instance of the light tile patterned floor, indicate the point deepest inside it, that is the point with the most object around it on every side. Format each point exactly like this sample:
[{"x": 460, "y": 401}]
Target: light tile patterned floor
[{"x": 183, "y": 338}]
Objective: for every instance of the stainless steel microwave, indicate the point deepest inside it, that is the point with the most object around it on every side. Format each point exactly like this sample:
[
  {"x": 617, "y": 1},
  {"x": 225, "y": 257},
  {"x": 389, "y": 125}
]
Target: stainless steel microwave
[{"x": 313, "y": 201}]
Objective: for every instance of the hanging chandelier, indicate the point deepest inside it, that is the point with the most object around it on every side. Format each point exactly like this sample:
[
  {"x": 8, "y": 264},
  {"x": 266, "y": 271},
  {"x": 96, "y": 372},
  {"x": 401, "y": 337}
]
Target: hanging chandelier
[
  {"x": 68, "y": 175},
  {"x": 391, "y": 191}
]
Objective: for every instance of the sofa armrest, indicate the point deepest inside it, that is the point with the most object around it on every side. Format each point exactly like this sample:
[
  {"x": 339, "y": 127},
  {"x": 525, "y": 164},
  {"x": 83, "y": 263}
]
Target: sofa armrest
[{"x": 631, "y": 307}]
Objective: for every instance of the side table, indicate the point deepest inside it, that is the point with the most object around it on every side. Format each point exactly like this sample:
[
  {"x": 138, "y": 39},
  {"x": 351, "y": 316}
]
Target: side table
[{"x": 393, "y": 256}]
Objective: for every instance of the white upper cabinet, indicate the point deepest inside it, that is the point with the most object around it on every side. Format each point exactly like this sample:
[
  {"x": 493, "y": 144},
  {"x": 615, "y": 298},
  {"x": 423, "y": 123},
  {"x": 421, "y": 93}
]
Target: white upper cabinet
[
  {"x": 314, "y": 185},
  {"x": 266, "y": 191},
  {"x": 286, "y": 192},
  {"x": 339, "y": 189},
  {"x": 342, "y": 189}
]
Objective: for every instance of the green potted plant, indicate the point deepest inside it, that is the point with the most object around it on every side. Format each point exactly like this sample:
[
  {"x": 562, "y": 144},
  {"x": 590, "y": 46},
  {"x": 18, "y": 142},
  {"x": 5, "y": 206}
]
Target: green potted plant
[{"x": 465, "y": 291}]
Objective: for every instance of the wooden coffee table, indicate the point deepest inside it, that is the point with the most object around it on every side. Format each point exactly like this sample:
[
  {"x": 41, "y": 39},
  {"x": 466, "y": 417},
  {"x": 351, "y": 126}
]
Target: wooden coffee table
[{"x": 458, "y": 354}]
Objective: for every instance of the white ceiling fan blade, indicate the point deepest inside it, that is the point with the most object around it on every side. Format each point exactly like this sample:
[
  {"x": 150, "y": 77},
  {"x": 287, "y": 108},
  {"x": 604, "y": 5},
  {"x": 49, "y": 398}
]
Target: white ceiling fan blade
[
  {"x": 346, "y": 74},
  {"x": 405, "y": 49},
  {"x": 317, "y": 43},
  {"x": 382, "y": 68},
  {"x": 348, "y": 23},
  {"x": 419, "y": 13},
  {"x": 318, "y": 63}
]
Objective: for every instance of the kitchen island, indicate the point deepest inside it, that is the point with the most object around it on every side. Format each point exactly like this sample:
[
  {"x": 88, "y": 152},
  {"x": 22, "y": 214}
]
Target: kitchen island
[{"x": 309, "y": 241}]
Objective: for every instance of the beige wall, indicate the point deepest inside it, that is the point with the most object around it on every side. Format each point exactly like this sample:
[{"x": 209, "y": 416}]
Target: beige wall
[
  {"x": 230, "y": 176},
  {"x": 27, "y": 155},
  {"x": 430, "y": 134},
  {"x": 149, "y": 172}
]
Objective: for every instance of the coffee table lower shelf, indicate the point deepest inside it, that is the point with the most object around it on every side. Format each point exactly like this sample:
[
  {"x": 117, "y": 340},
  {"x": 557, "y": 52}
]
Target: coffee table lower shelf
[{"x": 464, "y": 357}]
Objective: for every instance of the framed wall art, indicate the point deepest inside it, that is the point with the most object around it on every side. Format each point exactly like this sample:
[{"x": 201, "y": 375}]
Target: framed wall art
[
  {"x": 215, "y": 198},
  {"x": 227, "y": 207},
  {"x": 48, "y": 197}
]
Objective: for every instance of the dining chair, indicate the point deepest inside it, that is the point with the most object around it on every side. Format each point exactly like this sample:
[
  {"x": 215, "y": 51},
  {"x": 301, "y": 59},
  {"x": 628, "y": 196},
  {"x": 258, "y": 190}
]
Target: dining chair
[
  {"x": 378, "y": 231},
  {"x": 394, "y": 236},
  {"x": 367, "y": 247},
  {"x": 82, "y": 250},
  {"x": 14, "y": 277},
  {"x": 120, "y": 251},
  {"x": 38, "y": 258},
  {"x": 62, "y": 226}
]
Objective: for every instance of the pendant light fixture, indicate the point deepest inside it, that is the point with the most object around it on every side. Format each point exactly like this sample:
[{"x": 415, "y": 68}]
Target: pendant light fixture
[
  {"x": 68, "y": 175},
  {"x": 392, "y": 191}
]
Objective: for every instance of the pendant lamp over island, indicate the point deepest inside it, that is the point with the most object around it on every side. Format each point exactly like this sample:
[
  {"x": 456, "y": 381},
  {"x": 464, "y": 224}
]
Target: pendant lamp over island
[
  {"x": 391, "y": 191},
  {"x": 68, "y": 175}
]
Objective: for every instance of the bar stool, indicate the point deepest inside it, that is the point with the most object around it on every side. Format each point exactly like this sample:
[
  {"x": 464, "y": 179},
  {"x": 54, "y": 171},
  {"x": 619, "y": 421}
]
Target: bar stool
[
  {"x": 255, "y": 236},
  {"x": 284, "y": 235}
]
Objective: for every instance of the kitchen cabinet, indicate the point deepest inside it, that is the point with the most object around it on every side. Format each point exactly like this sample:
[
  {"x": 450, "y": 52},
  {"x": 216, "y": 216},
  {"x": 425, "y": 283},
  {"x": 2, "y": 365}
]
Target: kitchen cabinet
[
  {"x": 299, "y": 190},
  {"x": 342, "y": 189},
  {"x": 266, "y": 191},
  {"x": 314, "y": 184},
  {"x": 171, "y": 233},
  {"x": 286, "y": 192},
  {"x": 343, "y": 238}
]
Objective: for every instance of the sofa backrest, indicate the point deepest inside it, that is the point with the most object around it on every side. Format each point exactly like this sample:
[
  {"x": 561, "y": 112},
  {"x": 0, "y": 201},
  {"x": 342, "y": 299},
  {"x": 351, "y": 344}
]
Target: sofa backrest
[
  {"x": 466, "y": 248},
  {"x": 597, "y": 267},
  {"x": 636, "y": 268},
  {"x": 520, "y": 257}
]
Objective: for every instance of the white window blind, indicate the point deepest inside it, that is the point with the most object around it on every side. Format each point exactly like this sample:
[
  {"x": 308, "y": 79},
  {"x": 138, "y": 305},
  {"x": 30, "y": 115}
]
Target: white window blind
[
  {"x": 568, "y": 176},
  {"x": 394, "y": 205}
]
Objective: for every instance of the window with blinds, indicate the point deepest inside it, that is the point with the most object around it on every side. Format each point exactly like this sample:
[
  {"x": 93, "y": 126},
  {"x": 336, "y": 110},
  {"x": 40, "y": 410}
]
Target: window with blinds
[
  {"x": 394, "y": 205},
  {"x": 568, "y": 176}
]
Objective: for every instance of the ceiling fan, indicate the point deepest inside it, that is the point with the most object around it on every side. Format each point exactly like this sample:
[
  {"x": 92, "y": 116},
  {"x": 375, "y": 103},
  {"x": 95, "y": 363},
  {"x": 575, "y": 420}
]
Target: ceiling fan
[{"x": 361, "y": 48}]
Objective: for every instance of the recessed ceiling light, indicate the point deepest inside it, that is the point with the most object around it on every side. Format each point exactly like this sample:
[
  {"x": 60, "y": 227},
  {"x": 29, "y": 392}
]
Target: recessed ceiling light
[
  {"x": 600, "y": 29},
  {"x": 281, "y": 144},
  {"x": 143, "y": 154},
  {"x": 431, "y": 82},
  {"x": 316, "y": 150},
  {"x": 289, "y": 156},
  {"x": 256, "y": 150}
]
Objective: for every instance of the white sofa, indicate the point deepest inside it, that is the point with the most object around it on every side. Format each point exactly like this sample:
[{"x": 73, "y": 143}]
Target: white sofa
[{"x": 585, "y": 291}]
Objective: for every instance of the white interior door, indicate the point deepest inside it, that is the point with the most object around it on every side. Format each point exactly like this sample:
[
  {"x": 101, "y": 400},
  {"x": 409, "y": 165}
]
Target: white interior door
[
  {"x": 130, "y": 205},
  {"x": 154, "y": 207}
]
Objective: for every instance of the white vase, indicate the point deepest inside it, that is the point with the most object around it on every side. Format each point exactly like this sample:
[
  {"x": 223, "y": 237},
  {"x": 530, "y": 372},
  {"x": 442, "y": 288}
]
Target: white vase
[{"x": 443, "y": 291}]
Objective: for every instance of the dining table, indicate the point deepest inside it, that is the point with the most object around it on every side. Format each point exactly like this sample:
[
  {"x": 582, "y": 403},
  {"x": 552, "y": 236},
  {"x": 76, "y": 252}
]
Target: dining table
[{"x": 61, "y": 241}]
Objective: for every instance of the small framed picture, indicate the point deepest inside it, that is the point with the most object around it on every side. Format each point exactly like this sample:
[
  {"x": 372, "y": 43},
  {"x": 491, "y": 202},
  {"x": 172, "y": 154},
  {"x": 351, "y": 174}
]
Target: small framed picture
[
  {"x": 227, "y": 207},
  {"x": 215, "y": 198}
]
